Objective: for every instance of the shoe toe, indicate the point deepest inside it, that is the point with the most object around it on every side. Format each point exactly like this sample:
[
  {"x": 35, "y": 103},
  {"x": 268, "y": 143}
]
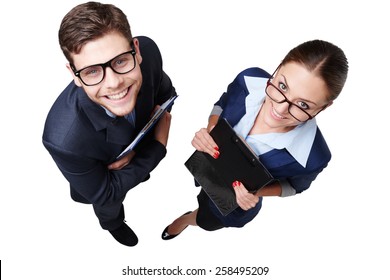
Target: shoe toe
[
  {"x": 166, "y": 236},
  {"x": 125, "y": 235}
]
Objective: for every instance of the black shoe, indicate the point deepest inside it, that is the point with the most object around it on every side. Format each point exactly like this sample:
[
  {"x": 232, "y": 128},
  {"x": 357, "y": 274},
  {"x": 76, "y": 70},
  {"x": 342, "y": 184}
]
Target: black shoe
[
  {"x": 125, "y": 235},
  {"x": 166, "y": 236}
]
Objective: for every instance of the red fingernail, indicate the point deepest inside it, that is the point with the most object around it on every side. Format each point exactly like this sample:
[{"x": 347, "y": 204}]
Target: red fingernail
[
  {"x": 216, "y": 148},
  {"x": 216, "y": 155},
  {"x": 235, "y": 184}
]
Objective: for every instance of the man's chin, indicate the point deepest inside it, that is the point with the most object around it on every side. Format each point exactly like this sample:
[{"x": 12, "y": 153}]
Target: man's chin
[{"x": 120, "y": 112}]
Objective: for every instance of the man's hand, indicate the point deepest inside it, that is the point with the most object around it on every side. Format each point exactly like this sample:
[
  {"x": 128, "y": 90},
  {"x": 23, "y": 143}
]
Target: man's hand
[
  {"x": 244, "y": 199},
  {"x": 119, "y": 164},
  {"x": 161, "y": 132}
]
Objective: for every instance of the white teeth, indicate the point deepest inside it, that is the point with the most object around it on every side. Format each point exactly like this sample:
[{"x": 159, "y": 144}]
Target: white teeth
[{"x": 117, "y": 96}]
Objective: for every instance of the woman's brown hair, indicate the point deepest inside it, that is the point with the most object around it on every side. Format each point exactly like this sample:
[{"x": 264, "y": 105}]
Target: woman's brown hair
[{"x": 326, "y": 60}]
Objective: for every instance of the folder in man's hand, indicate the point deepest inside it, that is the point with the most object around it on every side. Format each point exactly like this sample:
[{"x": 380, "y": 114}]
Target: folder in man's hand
[{"x": 153, "y": 120}]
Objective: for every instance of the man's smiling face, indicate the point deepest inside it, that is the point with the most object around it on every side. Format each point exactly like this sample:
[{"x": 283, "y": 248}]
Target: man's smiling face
[{"x": 116, "y": 92}]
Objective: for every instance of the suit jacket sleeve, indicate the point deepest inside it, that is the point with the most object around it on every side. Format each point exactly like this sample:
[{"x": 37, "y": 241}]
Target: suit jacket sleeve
[
  {"x": 282, "y": 165},
  {"x": 95, "y": 183},
  {"x": 318, "y": 160},
  {"x": 154, "y": 77},
  {"x": 155, "y": 81}
]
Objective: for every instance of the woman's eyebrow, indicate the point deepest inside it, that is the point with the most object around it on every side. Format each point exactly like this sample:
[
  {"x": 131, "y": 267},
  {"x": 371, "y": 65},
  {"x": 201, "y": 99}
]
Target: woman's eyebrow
[
  {"x": 303, "y": 99},
  {"x": 285, "y": 80}
]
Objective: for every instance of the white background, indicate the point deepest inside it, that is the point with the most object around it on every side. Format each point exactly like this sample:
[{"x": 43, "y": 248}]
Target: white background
[{"x": 338, "y": 229}]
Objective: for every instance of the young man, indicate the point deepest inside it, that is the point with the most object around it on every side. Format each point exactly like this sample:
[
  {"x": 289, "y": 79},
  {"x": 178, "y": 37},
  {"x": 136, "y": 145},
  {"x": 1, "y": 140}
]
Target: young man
[{"x": 117, "y": 83}]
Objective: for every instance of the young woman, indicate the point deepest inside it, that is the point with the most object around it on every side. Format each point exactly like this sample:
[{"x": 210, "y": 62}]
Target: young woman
[{"x": 275, "y": 114}]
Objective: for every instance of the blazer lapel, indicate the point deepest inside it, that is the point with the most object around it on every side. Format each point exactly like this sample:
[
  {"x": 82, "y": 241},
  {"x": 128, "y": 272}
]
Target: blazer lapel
[{"x": 118, "y": 130}]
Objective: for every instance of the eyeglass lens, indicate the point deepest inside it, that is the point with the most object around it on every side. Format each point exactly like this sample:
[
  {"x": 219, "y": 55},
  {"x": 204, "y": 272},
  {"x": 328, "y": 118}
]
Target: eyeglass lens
[
  {"x": 295, "y": 111},
  {"x": 121, "y": 64}
]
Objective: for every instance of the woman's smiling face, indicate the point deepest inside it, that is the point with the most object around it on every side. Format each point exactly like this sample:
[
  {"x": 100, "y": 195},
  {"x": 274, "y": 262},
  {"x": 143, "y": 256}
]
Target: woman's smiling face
[{"x": 302, "y": 88}]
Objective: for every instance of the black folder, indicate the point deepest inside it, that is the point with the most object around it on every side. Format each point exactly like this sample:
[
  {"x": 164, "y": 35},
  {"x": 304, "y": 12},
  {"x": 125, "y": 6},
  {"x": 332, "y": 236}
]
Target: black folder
[{"x": 236, "y": 162}]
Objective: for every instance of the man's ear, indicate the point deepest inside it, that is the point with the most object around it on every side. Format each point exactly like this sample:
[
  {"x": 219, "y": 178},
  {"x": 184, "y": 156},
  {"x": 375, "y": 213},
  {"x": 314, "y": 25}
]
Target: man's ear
[
  {"x": 75, "y": 78},
  {"x": 138, "y": 55}
]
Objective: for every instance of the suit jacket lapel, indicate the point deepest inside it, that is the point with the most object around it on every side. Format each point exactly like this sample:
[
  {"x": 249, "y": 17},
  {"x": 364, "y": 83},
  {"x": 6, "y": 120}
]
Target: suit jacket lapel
[{"x": 118, "y": 130}]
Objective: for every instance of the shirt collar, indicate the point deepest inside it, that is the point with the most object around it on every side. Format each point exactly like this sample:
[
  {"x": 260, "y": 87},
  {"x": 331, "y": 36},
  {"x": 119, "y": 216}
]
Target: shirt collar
[
  {"x": 109, "y": 113},
  {"x": 130, "y": 117},
  {"x": 297, "y": 142}
]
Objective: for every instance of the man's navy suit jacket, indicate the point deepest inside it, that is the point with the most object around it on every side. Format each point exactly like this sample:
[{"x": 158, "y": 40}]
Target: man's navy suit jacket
[{"x": 83, "y": 139}]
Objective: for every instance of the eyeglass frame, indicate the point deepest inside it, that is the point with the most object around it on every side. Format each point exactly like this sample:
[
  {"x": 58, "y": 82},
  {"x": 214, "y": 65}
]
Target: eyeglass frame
[
  {"x": 269, "y": 83},
  {"x": 104, "y": 66}
]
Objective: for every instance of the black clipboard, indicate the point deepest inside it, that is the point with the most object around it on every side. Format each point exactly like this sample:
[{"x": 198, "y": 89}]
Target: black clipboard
[
  {"x": 153, "y": 120},
  {"x": 236, "y": 162}
]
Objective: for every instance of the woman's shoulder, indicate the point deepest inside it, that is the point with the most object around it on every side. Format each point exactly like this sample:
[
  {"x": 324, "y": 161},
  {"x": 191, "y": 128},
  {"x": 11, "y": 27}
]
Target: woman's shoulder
[
  {"x": 248, "y": 77},
  {"x": 254, "y": 72}
]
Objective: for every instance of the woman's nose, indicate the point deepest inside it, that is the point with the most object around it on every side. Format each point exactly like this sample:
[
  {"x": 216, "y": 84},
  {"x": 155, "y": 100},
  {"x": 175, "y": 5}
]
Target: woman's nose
[{"x": 281, "y": 108}]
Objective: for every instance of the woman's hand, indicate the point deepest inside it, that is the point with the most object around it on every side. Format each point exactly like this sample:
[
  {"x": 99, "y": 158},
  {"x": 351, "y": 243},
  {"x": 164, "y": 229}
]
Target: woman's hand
[
  {"x": 204, "y": 142},
  {"x": 245, "y": 199}
]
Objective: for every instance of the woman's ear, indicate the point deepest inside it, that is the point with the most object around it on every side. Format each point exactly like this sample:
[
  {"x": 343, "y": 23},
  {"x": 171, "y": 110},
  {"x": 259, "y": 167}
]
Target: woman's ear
[
  {"x": 329, "y": 104},
  {"x": 138, "y": 55},
  {"x": 75, "y": 78}
]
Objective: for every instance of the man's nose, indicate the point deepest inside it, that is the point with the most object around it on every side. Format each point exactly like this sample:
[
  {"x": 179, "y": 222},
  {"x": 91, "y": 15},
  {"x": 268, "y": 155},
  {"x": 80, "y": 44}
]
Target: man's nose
[{"x": 111, "y": 78}]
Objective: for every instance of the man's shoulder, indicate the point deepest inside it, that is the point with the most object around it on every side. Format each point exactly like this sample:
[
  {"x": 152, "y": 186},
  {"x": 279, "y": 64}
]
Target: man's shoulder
[
  {"x": 152, "y": 62},
  {"x": 144, "y": 39},
  {"x": 146, "y": 44},
  {"x": 63, "y": 113},
  {"x": 67, "y": 101}
]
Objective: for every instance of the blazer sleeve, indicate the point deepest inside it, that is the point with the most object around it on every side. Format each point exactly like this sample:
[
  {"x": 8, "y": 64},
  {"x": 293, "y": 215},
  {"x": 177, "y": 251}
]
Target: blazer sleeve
[
  {"x": 166, "y": 90},
  {"x": 152, "y": 71},
  {"x": 92, "y": 180},
  {"x": 156, "y": 87},
  {"x": 231, "y": 105},
  {"x": 318, "y": 160},
  {"x": 302, "y": 182}
]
